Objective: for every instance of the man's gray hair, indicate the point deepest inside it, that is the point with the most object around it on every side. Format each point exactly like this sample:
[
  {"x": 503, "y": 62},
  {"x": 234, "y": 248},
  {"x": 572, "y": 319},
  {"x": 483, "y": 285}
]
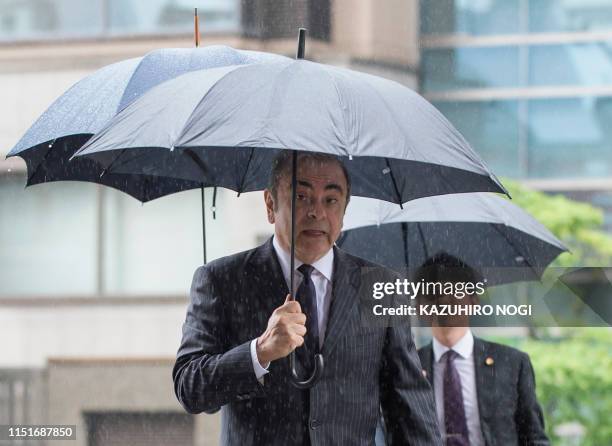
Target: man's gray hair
[{"x": 281, "y": 165}]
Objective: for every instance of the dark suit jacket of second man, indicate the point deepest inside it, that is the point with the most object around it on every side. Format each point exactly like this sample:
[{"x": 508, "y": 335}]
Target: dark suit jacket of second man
[{"x": 505, "y": 388}]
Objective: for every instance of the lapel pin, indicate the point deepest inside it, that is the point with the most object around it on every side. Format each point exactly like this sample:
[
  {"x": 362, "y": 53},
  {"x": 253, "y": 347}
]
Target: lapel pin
[
  {"x": 424, "y": 373},
  {"x": 489, "y": 361}
]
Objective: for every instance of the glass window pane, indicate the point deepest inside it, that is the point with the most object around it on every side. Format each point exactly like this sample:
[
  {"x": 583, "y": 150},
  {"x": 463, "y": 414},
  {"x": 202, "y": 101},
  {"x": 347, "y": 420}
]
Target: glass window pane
[
  {"x": 569, "y": 15},
  {"x": 458, "y": 68},
  {"x": 152, "y": 249},
  {"x": 474, "y": 17},
  {"x": 32, "y": 19},
  {"x": 491, "y": 128},
  {"x": 577, "y": 64},
  {"x": 570, "y": 138},
  {"x": 48, "y": 238},
  {"x": 38, "y": 19},
  {"x": 168, "y": 16}
]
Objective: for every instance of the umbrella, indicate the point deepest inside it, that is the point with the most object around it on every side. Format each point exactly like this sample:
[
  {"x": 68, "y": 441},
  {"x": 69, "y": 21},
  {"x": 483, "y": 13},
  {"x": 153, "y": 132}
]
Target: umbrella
[
  {"x": 483, "y": 230},
  {"x": 84, "y": 109},
  {"x": 224, "y": 126}
]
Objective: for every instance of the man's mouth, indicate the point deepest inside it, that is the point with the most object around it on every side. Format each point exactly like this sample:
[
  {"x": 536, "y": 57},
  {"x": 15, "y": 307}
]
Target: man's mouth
[{"x": 313, "y": 233}]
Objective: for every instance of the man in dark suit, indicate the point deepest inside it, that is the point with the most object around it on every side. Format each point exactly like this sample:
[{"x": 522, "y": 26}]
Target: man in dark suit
[
  {"x": 484, "y": 392},
  {"x": 242, "y": 324}
]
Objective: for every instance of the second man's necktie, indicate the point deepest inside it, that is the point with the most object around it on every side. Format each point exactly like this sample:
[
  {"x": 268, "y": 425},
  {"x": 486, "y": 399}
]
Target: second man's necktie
[{"x": 454, "y": 411}]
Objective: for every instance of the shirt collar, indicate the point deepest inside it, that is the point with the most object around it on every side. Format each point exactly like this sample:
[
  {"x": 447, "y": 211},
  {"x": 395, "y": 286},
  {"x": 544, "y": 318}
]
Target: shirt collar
[
  {"x": 325, "y": 265},
  {"x": 464, "y": 346}
]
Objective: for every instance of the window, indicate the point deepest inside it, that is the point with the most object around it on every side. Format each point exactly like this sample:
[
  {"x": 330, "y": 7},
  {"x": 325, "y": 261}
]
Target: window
[
  {"x": 466, "y": 68},
  {"x": 492, "y": 128},
  {"x": 569, "y": 15},
  {"x": 570, "y": 137},
  {"x": 472, "y": 17},
  {"x": 580, "y": 64},
  {"x": 42, "y": 19},
  {"x": 47, "y": 232}
]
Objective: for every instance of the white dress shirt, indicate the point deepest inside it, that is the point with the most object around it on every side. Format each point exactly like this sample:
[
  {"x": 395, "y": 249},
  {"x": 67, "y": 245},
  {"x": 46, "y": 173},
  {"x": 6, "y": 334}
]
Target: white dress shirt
[
  {"x": 464, "y": 363},
  {"x": 322, "y": 279}
]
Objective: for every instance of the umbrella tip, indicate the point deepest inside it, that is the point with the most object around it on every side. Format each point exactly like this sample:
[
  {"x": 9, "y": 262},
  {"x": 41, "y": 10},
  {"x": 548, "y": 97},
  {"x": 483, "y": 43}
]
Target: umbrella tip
[
  {"x": 501, "y": 186},
  {"x": 196, "y": 28},
  {"x": 301, "y": 43}
]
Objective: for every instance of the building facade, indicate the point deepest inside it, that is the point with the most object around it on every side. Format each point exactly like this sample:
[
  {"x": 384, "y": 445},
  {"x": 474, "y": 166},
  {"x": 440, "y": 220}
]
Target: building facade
[
  {"x": 93, "y": 284},
  {"x": 529, "y": 84}
]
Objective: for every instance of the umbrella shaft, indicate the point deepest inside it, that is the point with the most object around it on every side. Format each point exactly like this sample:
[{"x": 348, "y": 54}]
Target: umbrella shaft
[
  {"x": 203, "y": 227},
  {"x": 293, "y": 200}
]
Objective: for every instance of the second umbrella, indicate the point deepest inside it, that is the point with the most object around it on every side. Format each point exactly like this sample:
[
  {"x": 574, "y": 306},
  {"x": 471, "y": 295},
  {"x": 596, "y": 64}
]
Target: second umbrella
[{"x": 485, "y": 231}]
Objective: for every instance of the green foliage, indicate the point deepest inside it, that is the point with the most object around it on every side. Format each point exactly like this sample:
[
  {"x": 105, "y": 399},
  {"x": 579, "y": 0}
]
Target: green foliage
[
  {"x": 576, "y": 224},
  {"x": 574, "y": 372},
  {"x": 574, "y": 381}
]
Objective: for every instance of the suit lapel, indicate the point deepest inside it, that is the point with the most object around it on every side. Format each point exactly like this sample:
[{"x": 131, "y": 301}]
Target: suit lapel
[
  {"x": 427, "y": 363},
  {"x": 484, "y": 367},
  {"x": 345, "y": 284},
  {"x": 265, "y": 277}
]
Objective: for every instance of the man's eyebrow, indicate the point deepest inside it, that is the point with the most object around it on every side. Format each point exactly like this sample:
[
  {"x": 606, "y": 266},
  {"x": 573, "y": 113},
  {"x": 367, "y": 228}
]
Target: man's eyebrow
[
  {"x": 331, "y": 186},
  {"x": 304, "y": 183},
  {"x": 334, "y": 186}
]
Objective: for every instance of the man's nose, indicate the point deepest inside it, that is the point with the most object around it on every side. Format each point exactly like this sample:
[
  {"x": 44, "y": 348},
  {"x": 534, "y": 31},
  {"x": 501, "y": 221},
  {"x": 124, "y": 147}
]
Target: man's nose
[{"x": 316, "y": 210}]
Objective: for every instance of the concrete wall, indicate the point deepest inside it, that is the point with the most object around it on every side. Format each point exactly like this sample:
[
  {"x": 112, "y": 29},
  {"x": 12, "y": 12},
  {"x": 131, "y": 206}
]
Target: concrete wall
[
  {"x": 114, "y": 384},
  {"x": 386, "y": 31}
]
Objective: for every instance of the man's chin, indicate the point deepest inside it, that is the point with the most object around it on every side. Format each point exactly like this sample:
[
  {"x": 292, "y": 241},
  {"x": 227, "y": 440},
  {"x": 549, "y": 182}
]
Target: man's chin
[{"x": 312, "y": 250}]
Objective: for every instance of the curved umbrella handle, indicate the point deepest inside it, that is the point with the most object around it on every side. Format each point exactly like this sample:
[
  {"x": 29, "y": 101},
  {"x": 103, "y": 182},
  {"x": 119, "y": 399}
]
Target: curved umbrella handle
[{"x": 316, "y": 374}]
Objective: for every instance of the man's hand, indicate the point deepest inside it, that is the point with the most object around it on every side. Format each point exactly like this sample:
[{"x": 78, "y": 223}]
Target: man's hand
[{"x": 285, "y": 332}]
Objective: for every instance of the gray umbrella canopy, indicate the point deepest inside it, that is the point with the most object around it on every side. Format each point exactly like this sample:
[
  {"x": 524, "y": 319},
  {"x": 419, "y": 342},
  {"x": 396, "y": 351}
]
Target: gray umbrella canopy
[
  {"x": 484, "y": 230},
  {"x": 223, "y": 126},
  {"x": 88, "y": 105}
]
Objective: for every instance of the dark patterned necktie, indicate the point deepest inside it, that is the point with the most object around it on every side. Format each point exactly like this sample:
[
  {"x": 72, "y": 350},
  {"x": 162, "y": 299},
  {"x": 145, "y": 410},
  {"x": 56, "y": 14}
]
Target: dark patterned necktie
[
  {"x": 454, "y": 411},
  {"x": 307, "y": 297}
]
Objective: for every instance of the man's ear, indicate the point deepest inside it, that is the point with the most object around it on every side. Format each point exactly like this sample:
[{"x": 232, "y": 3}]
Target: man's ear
[{"x": 269, "y": 206}]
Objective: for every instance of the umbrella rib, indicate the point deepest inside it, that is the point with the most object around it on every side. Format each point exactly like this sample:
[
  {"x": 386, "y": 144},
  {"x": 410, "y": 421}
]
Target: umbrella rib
[
  {"x": 145, "y": 190},
  {"x": 128, "y": 84},
  {"x": 397, "y": 192},
  {"x": 425, "y": 250},
  {"x": 342, "y": 107},
  {"x": 509, "y": 240},
  {"x": 198, "y": 162},
  {"x": 404, "y": 227},
  {"x": 43, "y": 160},
  {"x": 108, "y": 169},
  {"x": 246, "y": 170}
]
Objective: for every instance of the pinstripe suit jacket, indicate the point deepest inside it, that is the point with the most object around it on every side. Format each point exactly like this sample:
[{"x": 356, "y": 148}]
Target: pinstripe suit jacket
[{"x": 231, "y": 301}]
